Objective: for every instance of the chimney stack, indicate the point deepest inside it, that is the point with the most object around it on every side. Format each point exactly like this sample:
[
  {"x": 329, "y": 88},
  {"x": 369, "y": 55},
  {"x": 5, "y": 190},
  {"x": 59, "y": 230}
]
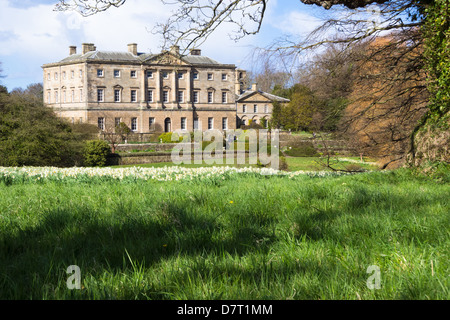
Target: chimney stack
[
  {"x": 196, "y": 52},
  {"x": 254, "y": 87},
  {"x": 175, "y": 50},
  {"x": 72, "y": 50},
  {"x": 86, "y": 47},
  {"x": 132, "y": 48}
]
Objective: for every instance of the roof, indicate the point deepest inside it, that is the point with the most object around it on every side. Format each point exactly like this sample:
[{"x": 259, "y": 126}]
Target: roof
[
  {"x": 269, "y": 96},
  {"x": 102, "y": 55},
  {"x": 116, "y": 56}
]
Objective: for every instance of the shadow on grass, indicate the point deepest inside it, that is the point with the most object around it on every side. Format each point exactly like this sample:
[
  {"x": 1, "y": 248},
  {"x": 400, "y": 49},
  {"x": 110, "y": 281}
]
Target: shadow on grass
[{"x": 38, "y": 256}]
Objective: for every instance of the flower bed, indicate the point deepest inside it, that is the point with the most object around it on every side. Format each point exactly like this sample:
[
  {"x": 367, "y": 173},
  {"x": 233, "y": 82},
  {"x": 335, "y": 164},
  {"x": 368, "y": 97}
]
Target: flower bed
[{"x": 22, "y": 174}]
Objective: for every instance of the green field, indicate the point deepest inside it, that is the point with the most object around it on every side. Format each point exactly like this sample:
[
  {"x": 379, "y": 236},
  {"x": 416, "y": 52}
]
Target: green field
[{"x": 241, "y": 236}]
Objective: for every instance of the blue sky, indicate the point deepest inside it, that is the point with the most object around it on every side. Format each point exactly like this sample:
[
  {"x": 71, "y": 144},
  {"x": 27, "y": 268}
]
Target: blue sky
[{"x": 32, "y": 34}]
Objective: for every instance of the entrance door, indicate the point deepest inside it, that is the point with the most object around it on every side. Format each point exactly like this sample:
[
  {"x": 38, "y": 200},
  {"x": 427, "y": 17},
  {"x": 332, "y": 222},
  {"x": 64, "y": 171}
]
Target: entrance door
[{"x": 167, "y": 125}]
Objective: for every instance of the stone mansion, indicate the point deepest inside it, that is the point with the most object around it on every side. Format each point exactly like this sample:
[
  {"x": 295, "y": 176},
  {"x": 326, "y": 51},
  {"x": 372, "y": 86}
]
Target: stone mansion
[{"x": 152, "y": 92}]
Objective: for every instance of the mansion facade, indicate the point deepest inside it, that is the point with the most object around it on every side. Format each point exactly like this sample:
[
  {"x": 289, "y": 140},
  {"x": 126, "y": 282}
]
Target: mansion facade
[{"x": 148, "y": 92}]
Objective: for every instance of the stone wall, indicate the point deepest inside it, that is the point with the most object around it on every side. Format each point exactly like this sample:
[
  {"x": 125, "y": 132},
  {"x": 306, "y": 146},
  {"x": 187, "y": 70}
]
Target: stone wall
[{"x": 153, "y": 157}]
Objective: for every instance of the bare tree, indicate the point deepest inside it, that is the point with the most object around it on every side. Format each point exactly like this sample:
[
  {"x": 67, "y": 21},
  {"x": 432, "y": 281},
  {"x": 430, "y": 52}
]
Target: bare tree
[{"x": 268, "y": 77}]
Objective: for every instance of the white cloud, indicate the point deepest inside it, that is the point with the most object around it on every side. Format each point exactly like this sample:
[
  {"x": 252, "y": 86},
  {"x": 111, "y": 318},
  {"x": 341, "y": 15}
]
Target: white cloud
[
  {"x": 299, "y": 23},
  {"x": 32, "y": 30},
  {"x": 32, "y": 35}
]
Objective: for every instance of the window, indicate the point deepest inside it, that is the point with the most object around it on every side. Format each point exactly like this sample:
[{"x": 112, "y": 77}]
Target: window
[
  {"x": 116, "y": 95},
  {"x": 224, "y": 123},
  {"x": 99, "y": 72},
  {"x": 56, "y": 75},
  {"x": 210, "y": 76},
  {"x": 183, "y": 123},
  {"x": 210, "y": 123},
  {"x": 133, "y": 124},
  {"x": 195, "y": 123},
  {"x": 101, "y": 123},
  {"x": 72, "y": 74},
  {"x": 195, "y": 97},
  {"x": 150, "y": 95},
  {"x": 100, "y": 95},
  {"x": 224, "y": 97},
  {"x": 64, "y": 96},
  {"x": 165, "y": 96},
  {"x": 133, "y": 73},
  {"x": 81, "y": 73},
  {"x": 165, "y": 75},
  {"x": 244, "y": 108},
  {"x": 210, "y": 97},
  {"x": 180, "y": 75},
  {"x": 116, "y": 73},
  {"x": 149, "y": 74},
  {"x": 224, "y": 76},
  {"x": 48, "y": 76},
  {"x": 255, "y": 108},
  {"x": 195, "y": 76},
  {"x": 117, "y": 122},
  {"x": 72, "y": 96},
  {"x": 266, "y": 109},
  {"x": 56, "y": 96},
  {"x": 64, "y": 75},
  {"x": 133, "y": 96},
  {"x": 151, "y": 124},
  {"x": 180, "y": 96},
  {"x": 81, "y": 95}
]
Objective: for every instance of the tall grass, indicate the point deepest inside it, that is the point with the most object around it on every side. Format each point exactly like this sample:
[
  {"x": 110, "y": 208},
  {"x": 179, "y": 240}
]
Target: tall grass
[{"x": 245, "y": 237}]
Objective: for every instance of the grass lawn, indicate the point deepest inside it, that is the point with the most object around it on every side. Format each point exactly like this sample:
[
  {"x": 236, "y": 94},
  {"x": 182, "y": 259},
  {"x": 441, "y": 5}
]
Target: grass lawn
[
  {"x": 241, "y": 237},
  {"x": 315, "y": 163}
]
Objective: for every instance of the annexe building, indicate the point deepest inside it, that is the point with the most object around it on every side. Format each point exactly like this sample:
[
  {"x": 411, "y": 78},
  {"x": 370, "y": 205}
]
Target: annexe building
[
  {"x": 255, "y": 106},
  {"x": 148, "y": 92}
]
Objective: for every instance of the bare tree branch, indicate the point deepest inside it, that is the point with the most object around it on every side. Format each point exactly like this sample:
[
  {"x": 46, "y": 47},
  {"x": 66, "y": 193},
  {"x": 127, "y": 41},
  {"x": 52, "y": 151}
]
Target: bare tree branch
[{"x": 87, "y": 7}]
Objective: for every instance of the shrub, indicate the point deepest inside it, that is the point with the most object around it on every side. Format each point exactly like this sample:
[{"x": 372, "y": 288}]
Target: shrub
[
  {"x": 167, "y": 138},
  {"x": 96, "y": 153},
  {"x": 32, "y": 135},
  {"x": 303, "y": 149}
]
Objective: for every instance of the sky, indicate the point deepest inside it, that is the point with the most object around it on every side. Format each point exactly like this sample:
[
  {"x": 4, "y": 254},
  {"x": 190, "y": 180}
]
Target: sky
[{"x": 33, "y": 34}]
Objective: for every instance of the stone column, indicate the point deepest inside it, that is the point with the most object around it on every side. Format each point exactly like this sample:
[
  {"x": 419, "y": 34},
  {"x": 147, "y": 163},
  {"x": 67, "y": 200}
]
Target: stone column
[
  {"x": 188, "y": 87},
  {"x": 174, "y": 89},
  {"x": 143, "y": 85},
  {"x": 158, "y": 88}
]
